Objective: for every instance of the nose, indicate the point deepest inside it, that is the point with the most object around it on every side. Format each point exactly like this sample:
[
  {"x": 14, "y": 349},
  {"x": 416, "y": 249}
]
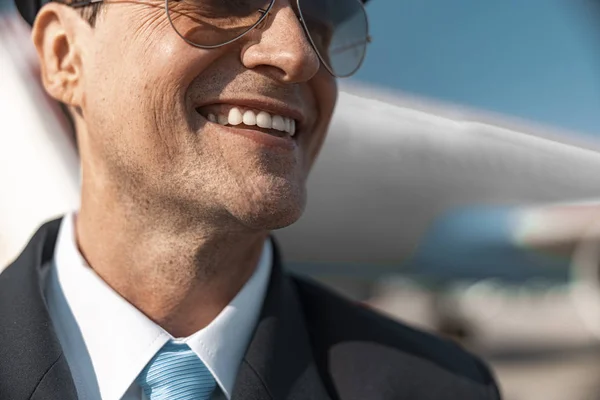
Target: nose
[{"x": 281, "y": 48}]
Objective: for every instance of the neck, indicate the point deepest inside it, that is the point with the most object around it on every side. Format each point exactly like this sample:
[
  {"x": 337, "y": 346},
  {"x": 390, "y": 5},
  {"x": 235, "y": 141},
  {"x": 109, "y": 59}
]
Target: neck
[{"x": 181, "y": 274}]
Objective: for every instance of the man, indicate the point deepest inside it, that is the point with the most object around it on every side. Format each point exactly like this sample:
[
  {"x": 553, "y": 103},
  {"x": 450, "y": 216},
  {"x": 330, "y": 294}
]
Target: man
[{"x": 197, "y": 123}]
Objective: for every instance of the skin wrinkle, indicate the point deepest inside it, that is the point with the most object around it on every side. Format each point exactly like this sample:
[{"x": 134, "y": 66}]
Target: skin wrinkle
[{"x": 174, "y": 210}]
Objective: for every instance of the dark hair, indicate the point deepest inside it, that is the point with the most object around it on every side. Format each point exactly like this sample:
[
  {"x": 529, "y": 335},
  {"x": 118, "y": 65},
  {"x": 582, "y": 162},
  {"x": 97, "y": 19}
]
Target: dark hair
[{"x": 91, "y": 12}]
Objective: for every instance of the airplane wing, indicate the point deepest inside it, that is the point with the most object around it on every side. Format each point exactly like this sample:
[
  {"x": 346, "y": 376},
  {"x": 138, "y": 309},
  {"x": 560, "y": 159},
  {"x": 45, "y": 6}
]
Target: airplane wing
[{"x": 405, "y": 185}]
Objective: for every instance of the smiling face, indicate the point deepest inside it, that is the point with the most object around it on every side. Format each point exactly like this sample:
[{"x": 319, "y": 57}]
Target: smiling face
[{"x": 228, "y": 134}]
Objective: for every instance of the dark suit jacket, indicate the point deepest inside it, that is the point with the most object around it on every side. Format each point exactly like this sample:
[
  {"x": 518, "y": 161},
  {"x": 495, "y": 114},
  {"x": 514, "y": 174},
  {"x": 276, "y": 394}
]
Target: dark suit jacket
[{"x": 308, "y": 344}]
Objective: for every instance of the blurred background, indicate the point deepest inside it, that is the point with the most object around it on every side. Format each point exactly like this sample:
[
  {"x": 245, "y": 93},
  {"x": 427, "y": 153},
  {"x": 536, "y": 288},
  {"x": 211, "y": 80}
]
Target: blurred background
[{"x": 458, "y": 190}]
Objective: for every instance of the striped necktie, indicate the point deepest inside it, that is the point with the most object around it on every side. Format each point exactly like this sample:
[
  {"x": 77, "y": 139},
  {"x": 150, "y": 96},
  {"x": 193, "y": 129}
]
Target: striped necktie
[{"x": 176, "y": 373}]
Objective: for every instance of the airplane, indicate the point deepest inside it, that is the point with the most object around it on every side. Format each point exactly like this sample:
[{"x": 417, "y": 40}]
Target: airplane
[
  {"x": 436, "y": 190},
  {"x": 403, "y": 185}
]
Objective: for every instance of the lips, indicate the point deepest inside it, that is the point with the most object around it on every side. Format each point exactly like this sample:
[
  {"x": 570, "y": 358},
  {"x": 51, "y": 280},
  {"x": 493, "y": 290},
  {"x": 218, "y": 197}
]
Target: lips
[{"x": 273, "y": 123}]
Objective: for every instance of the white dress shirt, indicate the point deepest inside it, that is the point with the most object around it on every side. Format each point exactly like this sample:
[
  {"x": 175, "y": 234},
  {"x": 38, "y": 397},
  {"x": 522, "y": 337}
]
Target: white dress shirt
[{"x": 107, "y": 341}]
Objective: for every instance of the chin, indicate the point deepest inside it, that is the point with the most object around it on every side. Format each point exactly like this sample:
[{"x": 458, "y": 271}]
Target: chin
[
  {"x": 270, "y": 212},
  {"x": 267, "y": 201}
]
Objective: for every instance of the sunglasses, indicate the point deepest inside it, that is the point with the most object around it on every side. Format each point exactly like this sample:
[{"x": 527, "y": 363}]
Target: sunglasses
[{"x": 338, "y": 30}]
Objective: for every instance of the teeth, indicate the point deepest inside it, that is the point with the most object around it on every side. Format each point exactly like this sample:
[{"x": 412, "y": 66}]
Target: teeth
[
  {"x": 261, "y": 119},
  {"x": 235, "y": 116},
  {"x": 287, "y": 124},
  {"x": 278, "y": 123},
  {"x": 249, "y": 118}
]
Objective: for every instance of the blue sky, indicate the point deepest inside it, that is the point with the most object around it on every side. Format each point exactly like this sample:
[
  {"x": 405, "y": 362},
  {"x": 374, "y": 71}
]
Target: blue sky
[{"x": 535, "y": 59}]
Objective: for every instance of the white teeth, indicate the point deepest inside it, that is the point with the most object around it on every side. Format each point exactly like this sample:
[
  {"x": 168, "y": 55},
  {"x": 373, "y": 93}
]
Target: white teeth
[
  {"x": 222, "y": 119},
  {"x": 288, "y": 124},
  {"x": 235, "y": 116},
  {"x": 249, "y": 118},
  {"x": 278, "y": 123},
  {"x": 263, "y": 120}
]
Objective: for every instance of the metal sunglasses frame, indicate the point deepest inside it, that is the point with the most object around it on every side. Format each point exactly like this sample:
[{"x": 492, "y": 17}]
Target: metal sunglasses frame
[{"x": 265, "y": 13}]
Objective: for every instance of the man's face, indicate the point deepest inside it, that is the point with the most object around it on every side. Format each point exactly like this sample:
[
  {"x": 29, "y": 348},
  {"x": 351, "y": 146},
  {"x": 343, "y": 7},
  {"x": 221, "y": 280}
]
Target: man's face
[{"x": 148, "y": 99}]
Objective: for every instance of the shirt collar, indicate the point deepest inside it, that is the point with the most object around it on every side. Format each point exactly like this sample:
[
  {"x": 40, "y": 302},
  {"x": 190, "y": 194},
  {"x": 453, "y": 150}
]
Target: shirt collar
[{"x": 121, "y": 340}]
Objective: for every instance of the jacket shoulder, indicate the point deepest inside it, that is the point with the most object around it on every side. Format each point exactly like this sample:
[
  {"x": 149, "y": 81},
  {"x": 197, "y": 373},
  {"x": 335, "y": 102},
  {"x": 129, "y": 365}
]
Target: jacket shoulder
[{"x": 354, "y": 344}]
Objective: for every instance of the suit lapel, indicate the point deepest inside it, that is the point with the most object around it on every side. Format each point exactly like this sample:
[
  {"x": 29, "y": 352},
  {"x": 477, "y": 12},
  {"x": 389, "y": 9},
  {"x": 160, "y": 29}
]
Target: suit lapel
[
  {"x": 32, "y": 365},
  {"x": 279, "y": 363}
]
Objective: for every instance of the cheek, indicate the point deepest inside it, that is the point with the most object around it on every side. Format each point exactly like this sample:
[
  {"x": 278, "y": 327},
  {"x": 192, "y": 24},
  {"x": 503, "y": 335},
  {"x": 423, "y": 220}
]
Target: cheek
[
  {"x": 137, "y": 95},
  {"x": 324, "y": 89},
  {"x": 327, "y": 90}
]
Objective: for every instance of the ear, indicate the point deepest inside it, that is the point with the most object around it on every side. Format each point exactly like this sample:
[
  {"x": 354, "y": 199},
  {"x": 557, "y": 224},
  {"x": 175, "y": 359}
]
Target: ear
[{"x": 59, "y": 51}]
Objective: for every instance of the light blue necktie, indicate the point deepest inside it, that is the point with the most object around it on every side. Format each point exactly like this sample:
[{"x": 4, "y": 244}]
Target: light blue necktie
[{"x": 176, "y": 373}]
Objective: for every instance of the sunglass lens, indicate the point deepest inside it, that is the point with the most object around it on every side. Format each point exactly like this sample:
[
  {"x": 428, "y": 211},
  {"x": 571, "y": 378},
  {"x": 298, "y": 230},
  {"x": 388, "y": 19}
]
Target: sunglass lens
[
  {"x": 210, "y": 23},
  {"x": 339, "y": 31}
]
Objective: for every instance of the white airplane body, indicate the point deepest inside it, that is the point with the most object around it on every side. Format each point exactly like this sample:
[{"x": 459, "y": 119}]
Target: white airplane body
[{"x": 391, "y": 170}]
